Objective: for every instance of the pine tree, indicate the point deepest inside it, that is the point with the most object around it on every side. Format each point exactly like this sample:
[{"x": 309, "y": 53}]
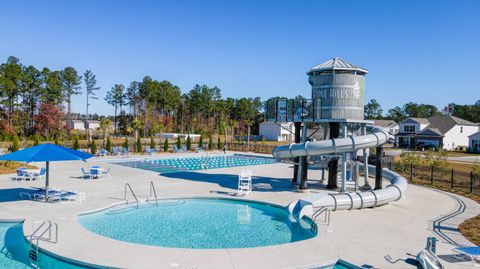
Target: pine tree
[
  {"x": 76, "y": 144},
  {"x": 16, "y": 143},
  {"x": 108, "y": 144},
  {"x": 189, "y": 143},
  {"x": 93, "y": 147},
  {"x": 152, "y": 142},
  {"x": 165, "y": 145}
]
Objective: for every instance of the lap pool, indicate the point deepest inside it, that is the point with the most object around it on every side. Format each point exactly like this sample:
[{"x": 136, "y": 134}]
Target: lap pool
[{"x": 166, "y": 165}]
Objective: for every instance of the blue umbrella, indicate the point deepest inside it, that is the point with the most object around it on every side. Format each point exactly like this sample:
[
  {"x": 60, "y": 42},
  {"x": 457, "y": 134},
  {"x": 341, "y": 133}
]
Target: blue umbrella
[{"x": 46, "y": 153}]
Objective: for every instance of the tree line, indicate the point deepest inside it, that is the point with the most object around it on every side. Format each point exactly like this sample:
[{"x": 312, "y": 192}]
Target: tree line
[
  {"x": 37, "y": 102},
  {"x": 373, "y": 110}
]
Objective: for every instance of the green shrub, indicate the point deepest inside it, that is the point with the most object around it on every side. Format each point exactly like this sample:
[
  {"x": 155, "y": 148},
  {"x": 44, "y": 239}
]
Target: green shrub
[
  {"x": 93, "y": 147},
  {"x": 76, "y": 144},
  {"x": 200, "y": 141},
  {"x": 139, "y": 144},
  {"x": 36, "y": 140},
  {"x": 476, "y": 170},
  {"x": 57, "y": 140},
  {"x": 165, "y": 145},
  {"x": 189, "y": 143},
  {"x": 108, "y": 144},
  {"x": 210, "y": 143},
  {"x": 179, "y": 142},
  {"x": 125, "y": 143},
  {"x": 219, "y": 143},
  {"x": 15, "y": 143},
  {"x": 153, "y": 145}
]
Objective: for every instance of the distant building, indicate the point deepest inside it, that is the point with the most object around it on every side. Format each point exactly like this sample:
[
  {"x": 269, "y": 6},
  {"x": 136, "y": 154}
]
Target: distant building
[
  {"x": 442, "y": 131},
  {"x": 474, "y": 142},
  {"x": 76, "y": 124},
  {"x": 277, "y": 132},
  {"x": 92, "y": 124},
  {"x": 390, "y": 125}
]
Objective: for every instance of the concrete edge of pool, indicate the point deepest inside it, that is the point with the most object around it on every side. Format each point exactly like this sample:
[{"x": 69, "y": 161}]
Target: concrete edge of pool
[{"x": 75, "y": 241}]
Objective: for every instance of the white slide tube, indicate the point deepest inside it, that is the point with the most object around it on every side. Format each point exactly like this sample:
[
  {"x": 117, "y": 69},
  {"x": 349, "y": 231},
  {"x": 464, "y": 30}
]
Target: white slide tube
[{"x": 355, "y": 200}]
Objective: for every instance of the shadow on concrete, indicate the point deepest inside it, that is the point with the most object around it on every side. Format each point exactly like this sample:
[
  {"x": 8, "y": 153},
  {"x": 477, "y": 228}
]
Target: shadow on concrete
[
  {"x": 260, "y": 184},
  {"x": 11, "y": 195}
]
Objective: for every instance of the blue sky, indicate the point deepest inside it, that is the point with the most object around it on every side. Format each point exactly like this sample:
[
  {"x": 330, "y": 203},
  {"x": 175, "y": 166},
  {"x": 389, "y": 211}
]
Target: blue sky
[{"x": 421, "y": 51}]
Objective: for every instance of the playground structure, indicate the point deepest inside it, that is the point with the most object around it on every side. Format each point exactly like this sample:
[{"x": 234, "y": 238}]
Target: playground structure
[{"x": 332, "y": 134}]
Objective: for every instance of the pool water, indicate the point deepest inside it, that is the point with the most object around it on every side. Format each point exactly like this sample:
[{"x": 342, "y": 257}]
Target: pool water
[
  {"x": 200, "y": 224},
  {"x": 196, "y": 163},
  {"x": 14, "y": 250}
]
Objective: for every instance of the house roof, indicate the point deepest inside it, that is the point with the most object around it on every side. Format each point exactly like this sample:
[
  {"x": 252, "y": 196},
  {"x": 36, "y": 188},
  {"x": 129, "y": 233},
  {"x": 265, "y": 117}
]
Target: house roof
[
  {"x": 337, "y": 64},
  {"x": 417, "y": 120},
  {"x": 446, "y": 122},
  {"x": 430, "y": 132},
  {"x": 477, "y": 133},
  {"x": 384, "y": 123}
]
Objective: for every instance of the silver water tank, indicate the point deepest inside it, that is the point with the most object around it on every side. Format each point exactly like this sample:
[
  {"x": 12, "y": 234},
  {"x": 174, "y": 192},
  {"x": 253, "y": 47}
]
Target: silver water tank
[{"x": 338, "y": 90}]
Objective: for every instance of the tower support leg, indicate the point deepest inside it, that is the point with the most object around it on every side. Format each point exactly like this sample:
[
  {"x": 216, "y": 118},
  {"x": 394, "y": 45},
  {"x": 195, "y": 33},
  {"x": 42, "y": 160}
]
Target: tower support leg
[
  {"x": 296, "y": 160},
  {"x": 366, "y": 185},
  {"x": 303, "y": 162},
  {"x": 333, "y": 163},
  {"x": 378, "y": 168}
]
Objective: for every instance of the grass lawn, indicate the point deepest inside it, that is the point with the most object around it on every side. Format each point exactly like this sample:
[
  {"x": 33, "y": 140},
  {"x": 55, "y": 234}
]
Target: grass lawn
[{"x": 11, "y": 167}]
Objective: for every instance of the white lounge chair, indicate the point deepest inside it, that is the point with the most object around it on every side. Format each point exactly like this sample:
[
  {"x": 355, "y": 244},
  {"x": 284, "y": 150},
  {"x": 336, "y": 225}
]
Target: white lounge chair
[
  {"x": 106, "y": 173},
  {"x": 86, "y": 173},
  {"x": 472, "y": 252}
]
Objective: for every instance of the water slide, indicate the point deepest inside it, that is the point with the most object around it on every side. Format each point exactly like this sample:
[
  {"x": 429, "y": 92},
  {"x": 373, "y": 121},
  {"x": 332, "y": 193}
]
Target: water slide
[{"x": 377, "y": 136}]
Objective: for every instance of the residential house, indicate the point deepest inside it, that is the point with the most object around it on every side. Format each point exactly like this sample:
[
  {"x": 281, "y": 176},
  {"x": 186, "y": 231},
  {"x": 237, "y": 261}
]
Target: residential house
[
  {"x": 76, "y": 124},
  {"x": 474, "y": 142},
  {"x": 390, "y": 125},
  {"x": 92, "y": 124},
  {"x": 441, "y": 131},
  {"x": 277, "y": 131}
]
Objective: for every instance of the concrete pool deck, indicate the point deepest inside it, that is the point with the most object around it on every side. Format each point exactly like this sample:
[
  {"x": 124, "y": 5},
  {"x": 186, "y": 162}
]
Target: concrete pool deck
[{"x": 362, "y": 237}]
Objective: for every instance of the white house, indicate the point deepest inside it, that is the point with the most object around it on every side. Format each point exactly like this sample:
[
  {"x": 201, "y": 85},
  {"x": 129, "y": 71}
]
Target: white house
[
  {"x": 277, "y": 132},
  {"x": 92, "y": 124},
  {"x": 76, "y": 125},
  {"x": 442, "y": 131},
  {"x": 474, "y": 142},
  {"x": 390, "y": 125}
]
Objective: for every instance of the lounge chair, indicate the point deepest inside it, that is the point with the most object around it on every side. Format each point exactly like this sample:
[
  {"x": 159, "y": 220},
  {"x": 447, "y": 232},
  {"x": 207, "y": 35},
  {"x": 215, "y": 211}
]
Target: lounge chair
[
  {"x": 175, "y": 149},
  {"x": 115, "y": 152},
  {"x": 22, "y": 174},
  {"x": 106, "y": 173},
  {"x": 86, "y": 173},
  {"x": 184, "y": 148},
  {"x": 95, "y": 173},
  {"x": 103, "y": 152},
  {"x": 472, "y": 252},
  {"x": 125, "y": 153},
  {"x": 199, "y": 149},
  {"x": 40, "y": 175}
]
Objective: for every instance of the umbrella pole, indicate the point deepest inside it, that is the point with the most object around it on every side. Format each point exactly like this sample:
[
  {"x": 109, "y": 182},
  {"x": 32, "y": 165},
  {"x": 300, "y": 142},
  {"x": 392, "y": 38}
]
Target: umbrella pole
[{"x": 46, "y": 181}]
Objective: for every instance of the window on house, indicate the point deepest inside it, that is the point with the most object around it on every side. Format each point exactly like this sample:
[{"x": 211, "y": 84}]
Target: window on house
[
  {"x": 409, "y": 128},
  {"x": 461, "y": 129}
]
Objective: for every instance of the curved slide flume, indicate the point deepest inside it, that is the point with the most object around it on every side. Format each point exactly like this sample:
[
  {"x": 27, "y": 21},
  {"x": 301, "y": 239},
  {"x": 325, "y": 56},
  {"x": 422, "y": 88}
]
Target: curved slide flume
[{"x": 356, "y": 200}]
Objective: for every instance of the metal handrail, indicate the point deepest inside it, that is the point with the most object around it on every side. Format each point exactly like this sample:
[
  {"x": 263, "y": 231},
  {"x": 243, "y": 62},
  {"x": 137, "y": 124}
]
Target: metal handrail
[
  {"x": 133, "y": 193},
  {"x": 152, "y": 189},
  {"x": 49, "y": 230},
  {"x": 319, "y": 212}
]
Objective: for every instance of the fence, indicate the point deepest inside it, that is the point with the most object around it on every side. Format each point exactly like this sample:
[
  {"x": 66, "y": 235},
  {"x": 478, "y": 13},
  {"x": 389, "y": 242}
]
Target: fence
[
  {"x": 447, "y": 178},
  {"x": 254, "y": 147}
]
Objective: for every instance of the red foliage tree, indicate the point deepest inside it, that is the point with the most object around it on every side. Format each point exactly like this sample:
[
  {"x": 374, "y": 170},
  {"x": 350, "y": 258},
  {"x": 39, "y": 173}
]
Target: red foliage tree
[{"x": 49, "y": 120}]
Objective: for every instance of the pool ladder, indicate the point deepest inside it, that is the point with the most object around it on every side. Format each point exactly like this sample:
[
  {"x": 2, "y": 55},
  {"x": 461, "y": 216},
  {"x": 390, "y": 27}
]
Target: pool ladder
[
  {"x": 319, "y": 212},
  {"x": 34, "y": 248},
  {"x": 154, "y": 192},
  {"x": 127, "y": 186}
]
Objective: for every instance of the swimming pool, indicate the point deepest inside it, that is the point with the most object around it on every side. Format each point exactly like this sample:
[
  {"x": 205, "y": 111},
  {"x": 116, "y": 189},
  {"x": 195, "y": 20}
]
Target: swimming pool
[
  {"x": 166, "y": 165},
  {"x": 200, "y": 224}
]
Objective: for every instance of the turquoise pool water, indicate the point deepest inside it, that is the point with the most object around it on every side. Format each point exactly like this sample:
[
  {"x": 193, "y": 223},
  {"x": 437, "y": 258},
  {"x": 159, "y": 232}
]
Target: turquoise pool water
[
  {"x": 199, "y": 223},
  {"x": 196, "y": 163},
  {"x": 14, "y": 250}
]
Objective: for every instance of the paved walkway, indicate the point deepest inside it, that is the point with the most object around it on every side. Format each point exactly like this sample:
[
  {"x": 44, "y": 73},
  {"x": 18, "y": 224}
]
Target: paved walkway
[{"x": 362, "y": 237}]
